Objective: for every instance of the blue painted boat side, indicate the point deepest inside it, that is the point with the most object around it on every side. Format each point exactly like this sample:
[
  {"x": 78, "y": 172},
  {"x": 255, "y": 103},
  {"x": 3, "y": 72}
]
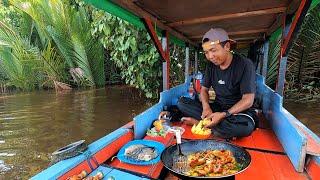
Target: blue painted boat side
[
  {"x": 144, "y": 120},
  {"x": 110, "y": 173},
  {"x": 291, "y": 138},
  {"x": 169, "y": 97},
  {"x": 122, "y": 175},
  {"x": 60, "y": 168}
]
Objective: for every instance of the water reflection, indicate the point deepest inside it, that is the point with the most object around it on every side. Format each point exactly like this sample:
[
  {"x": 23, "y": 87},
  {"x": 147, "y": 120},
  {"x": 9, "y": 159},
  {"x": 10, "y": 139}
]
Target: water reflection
[
  {"x": 34, "y": 125},
  {"x": 307, "y": 113}
]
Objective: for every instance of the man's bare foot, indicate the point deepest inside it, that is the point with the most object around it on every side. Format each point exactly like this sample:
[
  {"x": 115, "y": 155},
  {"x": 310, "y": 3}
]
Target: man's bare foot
[{"x": 189, "y": 120}]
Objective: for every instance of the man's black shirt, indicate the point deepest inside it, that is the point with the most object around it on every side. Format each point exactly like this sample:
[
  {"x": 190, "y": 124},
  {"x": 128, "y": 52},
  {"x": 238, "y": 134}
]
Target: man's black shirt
[{"x": 230, "y": 84}]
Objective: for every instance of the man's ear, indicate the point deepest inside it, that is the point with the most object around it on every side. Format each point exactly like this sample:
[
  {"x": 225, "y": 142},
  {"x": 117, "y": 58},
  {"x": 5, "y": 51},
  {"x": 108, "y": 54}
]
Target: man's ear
[{"x": 227, "y": 46}]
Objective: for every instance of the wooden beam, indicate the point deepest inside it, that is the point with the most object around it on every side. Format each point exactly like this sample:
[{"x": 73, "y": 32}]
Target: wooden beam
[
  {"x": 292, "y": 7},
  {"x": 164, "y": 53},
  {"x": 253, "y": 31},
  {"x": 131, "y": 6},
  {"x": 246, "y": 38},
  {"x": 276, "y": 24},
  {"x": 295, "y": 26},
  {"x": 228, "y": 16}
]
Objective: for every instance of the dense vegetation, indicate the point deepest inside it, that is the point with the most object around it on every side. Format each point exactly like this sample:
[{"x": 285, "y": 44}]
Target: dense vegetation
[
  {"x": 58, "y": 44},
  {"x": 47, "y": 44},
  {"x": 67, "y": 43},
  {"x": 303, "y": 68}
]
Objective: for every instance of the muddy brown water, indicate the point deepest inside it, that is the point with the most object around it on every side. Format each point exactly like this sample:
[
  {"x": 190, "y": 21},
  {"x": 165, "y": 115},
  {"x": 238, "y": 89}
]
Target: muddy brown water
[
  {"x": 307, "y": 113},
  {"x": 33, "y": 125}
]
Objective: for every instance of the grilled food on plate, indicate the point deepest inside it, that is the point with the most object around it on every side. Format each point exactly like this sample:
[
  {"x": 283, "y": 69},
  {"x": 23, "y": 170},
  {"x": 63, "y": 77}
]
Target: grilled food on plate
[{"x": 140, "y": 152}]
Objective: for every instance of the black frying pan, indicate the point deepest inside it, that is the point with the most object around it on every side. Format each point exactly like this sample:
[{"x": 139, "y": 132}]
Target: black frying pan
[{"x": 240, "y": 154}]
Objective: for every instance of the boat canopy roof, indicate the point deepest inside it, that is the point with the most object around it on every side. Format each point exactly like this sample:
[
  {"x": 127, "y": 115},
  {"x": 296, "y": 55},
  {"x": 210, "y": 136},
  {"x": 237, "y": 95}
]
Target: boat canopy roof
[{"x": 188, "y": 20}]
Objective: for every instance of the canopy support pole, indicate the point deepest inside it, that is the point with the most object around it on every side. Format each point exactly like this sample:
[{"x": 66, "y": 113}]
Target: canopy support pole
[
  {"x": 265, "y": 59},
  {"x": 186, "y": 65},
  {"x": 163, "y": 50},
  {"x": 287, "y": 42},
  {"x": 196, "y": 54}
]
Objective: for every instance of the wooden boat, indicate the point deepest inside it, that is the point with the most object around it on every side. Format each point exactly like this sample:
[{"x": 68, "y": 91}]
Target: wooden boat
[{"x": 281, "y": 148}]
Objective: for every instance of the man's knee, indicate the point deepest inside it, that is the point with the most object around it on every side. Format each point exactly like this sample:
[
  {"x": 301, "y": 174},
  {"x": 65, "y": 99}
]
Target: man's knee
[
  {"x": 185, "y": 103},
  {"x": 189, "y": 107},
  {"x": 181, "y": 103}
]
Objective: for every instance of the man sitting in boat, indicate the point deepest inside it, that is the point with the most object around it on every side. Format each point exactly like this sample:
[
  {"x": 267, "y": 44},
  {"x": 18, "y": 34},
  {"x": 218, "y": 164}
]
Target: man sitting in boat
[{"x": 233, "y": 79}]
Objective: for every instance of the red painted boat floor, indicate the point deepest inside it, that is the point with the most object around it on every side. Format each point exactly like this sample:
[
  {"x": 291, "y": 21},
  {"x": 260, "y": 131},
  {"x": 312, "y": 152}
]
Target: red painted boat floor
[
  {"x": 270, "y": 166},
  {"x": 260, "y": 139},
  {"x": 313, "y": 169},
  {"x": 264, "y": 165}
]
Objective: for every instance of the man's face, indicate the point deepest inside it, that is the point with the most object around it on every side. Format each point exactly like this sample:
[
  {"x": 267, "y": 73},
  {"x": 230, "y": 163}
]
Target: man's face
[{"x": 216, "y": 53}]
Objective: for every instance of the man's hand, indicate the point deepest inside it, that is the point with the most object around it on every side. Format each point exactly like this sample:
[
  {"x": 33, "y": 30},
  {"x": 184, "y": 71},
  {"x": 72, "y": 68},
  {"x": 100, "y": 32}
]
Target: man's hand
[
  {"x": 215, "y": 118},
  {"x": 205, "y": 102},
  {"x": 206, "y": 112},
  {"x": 189, "y": 120}
]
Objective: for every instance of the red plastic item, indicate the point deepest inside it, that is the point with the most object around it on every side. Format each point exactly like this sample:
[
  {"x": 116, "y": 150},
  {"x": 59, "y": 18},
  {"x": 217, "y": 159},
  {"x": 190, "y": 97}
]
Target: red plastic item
[{"x": 197, "y": 85}]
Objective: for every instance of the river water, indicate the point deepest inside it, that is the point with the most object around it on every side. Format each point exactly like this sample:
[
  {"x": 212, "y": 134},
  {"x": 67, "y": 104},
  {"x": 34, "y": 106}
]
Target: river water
[{"x": 33, "y": 125}]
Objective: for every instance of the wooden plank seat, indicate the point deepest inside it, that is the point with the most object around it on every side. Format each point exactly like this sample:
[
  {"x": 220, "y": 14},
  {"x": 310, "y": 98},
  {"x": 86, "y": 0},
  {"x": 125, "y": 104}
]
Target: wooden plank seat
[{"x": 313, "y": 146}]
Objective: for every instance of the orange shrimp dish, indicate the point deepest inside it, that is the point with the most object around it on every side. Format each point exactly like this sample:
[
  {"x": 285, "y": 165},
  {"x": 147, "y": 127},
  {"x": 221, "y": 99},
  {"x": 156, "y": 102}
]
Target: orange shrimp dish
[{"x": 212, "y": 163}]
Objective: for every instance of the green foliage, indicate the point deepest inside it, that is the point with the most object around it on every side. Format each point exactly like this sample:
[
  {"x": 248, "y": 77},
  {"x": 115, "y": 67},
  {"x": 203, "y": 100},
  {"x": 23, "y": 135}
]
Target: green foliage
[
  {"x": 69, "y": 29},
  {"x": 53, "y": 43},
  {"x": 68, "y": 39},
  {"x": 8, "y": 14},
  {"x": 303, "y": 68},
  {"x": 177, "y": 62},
  {"x": 303, "y": 75},
  {"x": 273, "y": 59},
  {"x": 19, "y": 59},
  {"x": 131, "y": 50}
]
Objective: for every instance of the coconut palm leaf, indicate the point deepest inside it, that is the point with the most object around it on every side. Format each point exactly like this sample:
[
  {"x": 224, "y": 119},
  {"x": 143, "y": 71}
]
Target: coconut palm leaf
[
  {"x": 273, "y": 62},
  {"x": 19, "y": 59},
  {"x": 69, "y": 29}
]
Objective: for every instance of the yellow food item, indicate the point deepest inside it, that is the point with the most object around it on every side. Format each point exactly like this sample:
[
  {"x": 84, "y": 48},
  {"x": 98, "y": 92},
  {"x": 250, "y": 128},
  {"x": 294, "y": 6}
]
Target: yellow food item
[
  {"x": 158, "y": 124},
  {"x": 206, "y": 121},
  {"x": 199, "y": 129}
]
